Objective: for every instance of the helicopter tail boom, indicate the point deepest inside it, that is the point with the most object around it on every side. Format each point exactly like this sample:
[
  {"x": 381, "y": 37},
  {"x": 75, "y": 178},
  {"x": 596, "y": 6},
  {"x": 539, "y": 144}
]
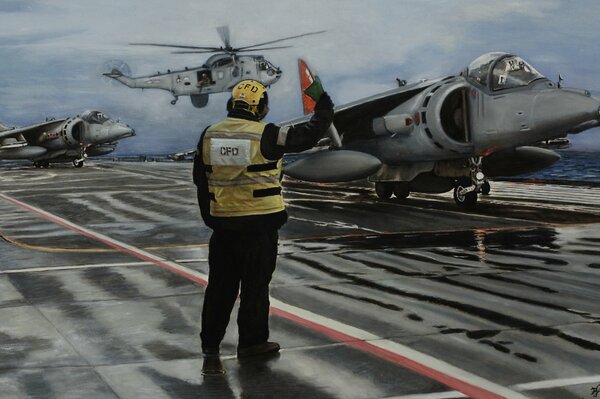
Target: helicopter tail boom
[
  {"x": 160, "y": 81},
  {"x": 120, "y": 77}
]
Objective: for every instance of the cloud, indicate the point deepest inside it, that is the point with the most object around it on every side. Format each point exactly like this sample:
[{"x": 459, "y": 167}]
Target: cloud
[{"x": 52, "y": 51}]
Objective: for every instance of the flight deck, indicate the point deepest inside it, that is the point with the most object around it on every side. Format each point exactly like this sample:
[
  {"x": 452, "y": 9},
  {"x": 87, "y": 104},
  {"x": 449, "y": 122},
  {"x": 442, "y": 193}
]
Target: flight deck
[{"x": 104, "y": 267}]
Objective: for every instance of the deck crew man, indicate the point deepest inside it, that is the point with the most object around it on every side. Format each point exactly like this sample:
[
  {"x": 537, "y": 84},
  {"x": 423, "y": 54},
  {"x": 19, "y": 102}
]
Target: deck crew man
[{"x": 237, "y": 170}]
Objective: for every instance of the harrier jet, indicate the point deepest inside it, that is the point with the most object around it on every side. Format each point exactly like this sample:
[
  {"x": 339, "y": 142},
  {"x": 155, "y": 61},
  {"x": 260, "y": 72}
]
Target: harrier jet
[
  {"x": 451, "y": 133},
  {"x": 72, "y": 139}
]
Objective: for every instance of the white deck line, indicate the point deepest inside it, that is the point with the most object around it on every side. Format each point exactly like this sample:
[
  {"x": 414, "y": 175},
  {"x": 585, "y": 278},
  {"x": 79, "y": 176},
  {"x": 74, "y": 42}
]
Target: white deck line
[
  {"x": 527, "y": 386},
  {"x": 444, "y": 372}
]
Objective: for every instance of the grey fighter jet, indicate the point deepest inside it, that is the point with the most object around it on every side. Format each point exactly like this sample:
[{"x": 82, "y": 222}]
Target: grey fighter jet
[
  {"x": 450, "y": 133},
  {"x": 72, "y": 139}
]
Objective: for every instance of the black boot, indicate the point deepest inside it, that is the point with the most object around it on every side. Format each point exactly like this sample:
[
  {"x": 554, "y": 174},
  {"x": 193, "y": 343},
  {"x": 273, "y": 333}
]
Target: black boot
[
  {"x": 265, "y": 348},
  {"x": 212, "y": 362}
]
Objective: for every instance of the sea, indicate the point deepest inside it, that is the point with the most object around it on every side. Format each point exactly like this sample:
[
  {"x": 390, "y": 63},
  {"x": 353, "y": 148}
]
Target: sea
[{"x": 573, "y": 166}]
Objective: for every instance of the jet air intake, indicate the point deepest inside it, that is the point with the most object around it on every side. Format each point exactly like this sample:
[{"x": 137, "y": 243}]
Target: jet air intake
[
  {"x": 73, "y": 131},
  {"x": 446, "y": 118}
]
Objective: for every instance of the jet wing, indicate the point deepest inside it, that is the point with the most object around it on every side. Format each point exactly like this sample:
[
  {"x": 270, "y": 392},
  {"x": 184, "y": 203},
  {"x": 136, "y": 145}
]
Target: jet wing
[
  {"x": 31, "y": 131},
  {"x": 352, "y": 120},
  {"x": 355, "y": 118}
]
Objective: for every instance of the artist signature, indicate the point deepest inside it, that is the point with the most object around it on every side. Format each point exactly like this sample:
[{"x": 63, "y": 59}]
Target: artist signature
[{"x": 595, "y": 391}]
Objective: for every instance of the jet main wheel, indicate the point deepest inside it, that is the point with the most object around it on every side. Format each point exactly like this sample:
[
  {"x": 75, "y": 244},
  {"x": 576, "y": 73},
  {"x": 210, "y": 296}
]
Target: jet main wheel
[
  {"x": 467, "y": 201},
  {"x": 486, "y": 188},
  {"x": 44, "y": 164},
  {"x": 384, "y": 190},
  {"x": 78, "y": 163},
  {"x": 401, "y": 190}
]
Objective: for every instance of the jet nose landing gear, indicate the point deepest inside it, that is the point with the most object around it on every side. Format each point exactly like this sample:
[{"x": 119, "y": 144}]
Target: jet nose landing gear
[
  {"x": 78, "y": 162},
  {"x": 465, "y": 195},
  {"x": 466, "y": 189}
]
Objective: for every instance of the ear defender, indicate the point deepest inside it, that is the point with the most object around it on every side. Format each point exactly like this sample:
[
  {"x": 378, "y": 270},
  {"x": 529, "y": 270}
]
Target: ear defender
[
  {"x": 263, "y": 106},
  {"x": 229, "y": 104}
]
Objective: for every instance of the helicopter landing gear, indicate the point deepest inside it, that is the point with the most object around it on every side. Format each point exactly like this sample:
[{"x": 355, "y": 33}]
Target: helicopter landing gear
[
  {"x": 466, "y": 189},
  {"x": 174, "y": 101}
]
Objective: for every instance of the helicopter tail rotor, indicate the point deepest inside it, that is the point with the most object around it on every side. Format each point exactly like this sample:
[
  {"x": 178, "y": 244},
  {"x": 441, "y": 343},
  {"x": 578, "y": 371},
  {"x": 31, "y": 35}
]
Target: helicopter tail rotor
[
  {"x": 114, "y": 73},
  {"x": 113, "y": 69}
]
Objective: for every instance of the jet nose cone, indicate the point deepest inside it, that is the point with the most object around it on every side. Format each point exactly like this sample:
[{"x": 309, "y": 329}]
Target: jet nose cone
[
  {"x": 567, "y": 110},
  {"x": 121, "y": 131}
]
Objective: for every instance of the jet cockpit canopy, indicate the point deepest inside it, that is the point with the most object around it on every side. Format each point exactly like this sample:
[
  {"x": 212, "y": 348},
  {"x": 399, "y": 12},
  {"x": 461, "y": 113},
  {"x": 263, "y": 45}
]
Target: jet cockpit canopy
[
  {"x": 499, "y": 71},
  {"x": 94, "y": 117}
]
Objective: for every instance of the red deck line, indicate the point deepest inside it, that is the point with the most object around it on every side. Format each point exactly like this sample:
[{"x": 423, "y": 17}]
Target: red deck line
[{"x": 465, "y": 387}]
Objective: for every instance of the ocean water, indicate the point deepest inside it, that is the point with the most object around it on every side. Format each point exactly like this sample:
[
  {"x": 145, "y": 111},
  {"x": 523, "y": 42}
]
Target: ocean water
[{"x": 574, "y": 166}]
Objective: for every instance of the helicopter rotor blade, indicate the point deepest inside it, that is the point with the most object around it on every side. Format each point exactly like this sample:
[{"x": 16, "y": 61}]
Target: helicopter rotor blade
[
  {"x": 177, "y": 46},
  {"x": 223, "y": 32},
  {"x": 260, "y": 49},
  {"x": 218, "y": 50},
  {"x": 280, "y": 40}
]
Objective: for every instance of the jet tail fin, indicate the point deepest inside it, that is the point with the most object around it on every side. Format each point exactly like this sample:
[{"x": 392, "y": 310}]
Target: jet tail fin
[{"x": 306, "y": 79}]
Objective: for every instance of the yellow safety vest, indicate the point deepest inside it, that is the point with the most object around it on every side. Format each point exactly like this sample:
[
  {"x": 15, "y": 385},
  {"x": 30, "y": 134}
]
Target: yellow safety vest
[{"x": 241, "y": 181}]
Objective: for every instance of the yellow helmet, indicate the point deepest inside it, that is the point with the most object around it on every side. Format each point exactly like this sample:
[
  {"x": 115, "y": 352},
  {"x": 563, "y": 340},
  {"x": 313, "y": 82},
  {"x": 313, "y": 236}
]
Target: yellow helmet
[{"x": 251, "y": 96}]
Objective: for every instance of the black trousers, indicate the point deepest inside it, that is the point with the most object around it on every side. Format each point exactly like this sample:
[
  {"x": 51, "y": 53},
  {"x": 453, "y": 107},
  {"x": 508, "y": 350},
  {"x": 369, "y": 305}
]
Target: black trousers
[{"x": 241, "y": 262}]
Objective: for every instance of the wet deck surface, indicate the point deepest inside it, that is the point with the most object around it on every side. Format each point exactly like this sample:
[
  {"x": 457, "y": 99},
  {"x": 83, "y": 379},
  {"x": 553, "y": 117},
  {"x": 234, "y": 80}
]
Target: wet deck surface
[{"x": 509, "y": 294}]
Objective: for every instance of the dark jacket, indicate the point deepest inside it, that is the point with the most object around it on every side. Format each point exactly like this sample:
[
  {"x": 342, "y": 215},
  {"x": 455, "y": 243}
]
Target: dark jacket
[{"x": 297, "y": 139}]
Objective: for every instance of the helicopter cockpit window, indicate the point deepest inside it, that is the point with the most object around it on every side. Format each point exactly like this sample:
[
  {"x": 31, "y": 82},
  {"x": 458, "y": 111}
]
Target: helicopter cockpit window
[
  {"x": 512, "y": 72},
  {"x": 263, "y": 66},
  {"x": 94, "y": 117},
  {"x": 479, "y": 69},
  {"x": 223, "y": 62}
]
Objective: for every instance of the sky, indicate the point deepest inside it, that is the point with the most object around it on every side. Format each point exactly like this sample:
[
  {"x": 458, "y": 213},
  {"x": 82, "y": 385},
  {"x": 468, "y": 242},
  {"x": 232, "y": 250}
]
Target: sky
[{"x": 52, "y": 53}]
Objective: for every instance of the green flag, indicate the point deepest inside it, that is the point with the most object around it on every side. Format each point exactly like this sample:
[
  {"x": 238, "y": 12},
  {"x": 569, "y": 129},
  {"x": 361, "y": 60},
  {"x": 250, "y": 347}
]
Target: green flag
[{"x": 315, "y": 89}]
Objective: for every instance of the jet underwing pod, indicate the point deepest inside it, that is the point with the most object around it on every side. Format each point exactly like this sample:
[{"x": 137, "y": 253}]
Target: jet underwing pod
[{"x": 334, "y": 166}]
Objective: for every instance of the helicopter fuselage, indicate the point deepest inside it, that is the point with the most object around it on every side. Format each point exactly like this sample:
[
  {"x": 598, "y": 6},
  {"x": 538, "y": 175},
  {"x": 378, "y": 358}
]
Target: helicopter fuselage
[{"x": 219, "y": 74}]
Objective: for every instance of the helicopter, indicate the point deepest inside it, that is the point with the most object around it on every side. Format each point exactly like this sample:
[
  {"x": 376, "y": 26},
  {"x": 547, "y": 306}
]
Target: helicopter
[{"x": 219, "y": 73}]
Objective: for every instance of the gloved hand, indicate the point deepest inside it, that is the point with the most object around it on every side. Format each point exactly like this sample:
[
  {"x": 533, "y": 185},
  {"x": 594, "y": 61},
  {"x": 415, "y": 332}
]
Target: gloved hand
[{"x": 324, "y": 103}]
